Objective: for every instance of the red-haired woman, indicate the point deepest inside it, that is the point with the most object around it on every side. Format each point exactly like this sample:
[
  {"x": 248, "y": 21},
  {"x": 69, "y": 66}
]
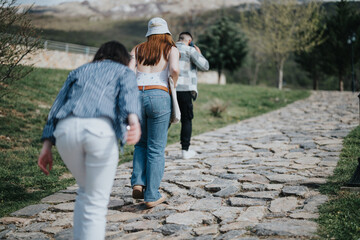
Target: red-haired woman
[{"x": 154, "y": 61}]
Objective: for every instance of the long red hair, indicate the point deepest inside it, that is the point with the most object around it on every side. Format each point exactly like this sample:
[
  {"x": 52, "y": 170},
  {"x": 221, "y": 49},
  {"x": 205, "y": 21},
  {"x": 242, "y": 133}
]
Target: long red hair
[{"x": 149, "y": 53}]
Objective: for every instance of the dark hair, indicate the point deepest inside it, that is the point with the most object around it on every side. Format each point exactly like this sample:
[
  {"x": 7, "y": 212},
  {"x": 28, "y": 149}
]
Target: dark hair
[
  {"x": 114, "y": 51},
  {"x": 185, "y": 33}
]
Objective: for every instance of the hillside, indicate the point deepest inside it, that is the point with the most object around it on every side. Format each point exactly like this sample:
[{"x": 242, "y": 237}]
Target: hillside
[{"x": 135, "y": 9}]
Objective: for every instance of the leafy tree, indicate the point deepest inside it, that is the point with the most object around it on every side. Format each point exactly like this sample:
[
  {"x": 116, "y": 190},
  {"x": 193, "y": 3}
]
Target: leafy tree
[
  {"x": 17, "y": 40},
  {"x": 336, "y": 51},
  {"x": 283, "y": 27},
  {"x": 223, "y": 45}
]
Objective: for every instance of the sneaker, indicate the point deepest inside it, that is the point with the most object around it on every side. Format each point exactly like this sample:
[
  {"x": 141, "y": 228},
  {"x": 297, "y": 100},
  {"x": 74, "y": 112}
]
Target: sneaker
[
  {"x": 138, "y": 192},
  {"x": 188, "y": 154},
  {"x": 155, "y": 203}
]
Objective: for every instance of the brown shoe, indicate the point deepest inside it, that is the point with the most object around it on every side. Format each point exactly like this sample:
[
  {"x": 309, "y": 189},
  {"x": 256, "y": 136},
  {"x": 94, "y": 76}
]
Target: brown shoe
[
  {"x": 155, "y": 203},
  {"x": 138, "y": 192}
]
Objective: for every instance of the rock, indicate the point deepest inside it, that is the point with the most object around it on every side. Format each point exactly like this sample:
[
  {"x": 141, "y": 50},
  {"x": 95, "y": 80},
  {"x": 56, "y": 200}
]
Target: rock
[
  {"x": 30, "y": 211},
  {"x": 52, "y": 230},
  {"x": 227, "y": 214},
  {"x": 227, "y": 192},
  {"x": 35, "y": 227},
  {"x": 141, "y": 226},
  {"x": 246, "y": 202},
  {"x": 300, "y": 191},
  {"x": 59, "y": 198},
  {"x": 283, "y": 204},
  {"x": 115, "y": 203},
  {"x": 199, "y": 193},
  {"x": 254, "y": 178},
  {"x": 65, "y": 206},
  {"x": 308, "y": 160},
  {"x": 206, "y": 204},
  {"x": 159, "y": 215},
  {"x": 170, "y": 229},
  {"x": 288, "y": 228},
  {"x": 285, "y": 178},
  {"x": 192, "y": 218},
  {"x": 253, "y": 187},
  {"x": 218, "y": 184},
  {"x": 236, "y": 226},
  {"x": 28, "y": 235},
  {"x": 252, "y": 214},
  {"x": 211, "y": 230},
  {"x": 15, "y": 220},
  {"x": 304, "y": 215},
  {"x": 311, "y": 204},
  {"x": 266, "y": 195},
  {"x": 123, "y": 217},
  {"x": 64, "y": 235},
  {"x": 231, "y": 235}
]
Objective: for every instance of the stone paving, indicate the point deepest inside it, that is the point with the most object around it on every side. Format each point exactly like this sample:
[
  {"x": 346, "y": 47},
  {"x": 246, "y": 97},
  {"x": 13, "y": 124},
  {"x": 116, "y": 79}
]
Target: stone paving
[{"x": 257, "y": 179}]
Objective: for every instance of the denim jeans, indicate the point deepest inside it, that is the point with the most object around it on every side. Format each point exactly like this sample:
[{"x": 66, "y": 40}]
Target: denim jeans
[
  {"x": 89, "y": 148},
  {"x": 149, "y": 155}
]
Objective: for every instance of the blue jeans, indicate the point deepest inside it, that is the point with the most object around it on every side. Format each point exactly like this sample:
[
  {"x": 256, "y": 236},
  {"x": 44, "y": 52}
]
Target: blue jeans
[{"x": 149, "y": 155}]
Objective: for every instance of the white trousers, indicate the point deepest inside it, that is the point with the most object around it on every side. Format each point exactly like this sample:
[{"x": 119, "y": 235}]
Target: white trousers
[{"x": 88, "y": 147}]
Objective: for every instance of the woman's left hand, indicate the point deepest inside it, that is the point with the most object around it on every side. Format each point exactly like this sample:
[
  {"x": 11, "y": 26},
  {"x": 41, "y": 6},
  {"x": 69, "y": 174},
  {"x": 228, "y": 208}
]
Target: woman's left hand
[{"x": 45, "y": 158}]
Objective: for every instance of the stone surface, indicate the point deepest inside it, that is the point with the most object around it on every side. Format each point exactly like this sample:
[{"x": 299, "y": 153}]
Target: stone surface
[
  {"x": 300, "y": 191},
  {"x": 288, "y": 228},
  {"x": 256, "y": 179},
  {"x": 283, "y": 204},
  {"x": 31, "y": 210},
  {"x": 59, "y": 198},
  {"x": 192, "y": 218}
]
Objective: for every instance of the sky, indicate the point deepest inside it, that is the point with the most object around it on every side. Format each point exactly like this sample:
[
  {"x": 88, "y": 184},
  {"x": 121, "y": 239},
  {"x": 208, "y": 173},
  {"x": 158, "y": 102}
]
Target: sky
[{"x": 45, "y": 2}]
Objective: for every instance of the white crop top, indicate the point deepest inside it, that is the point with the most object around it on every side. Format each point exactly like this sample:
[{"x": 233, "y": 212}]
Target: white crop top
[{"x": 156, "y": 78}]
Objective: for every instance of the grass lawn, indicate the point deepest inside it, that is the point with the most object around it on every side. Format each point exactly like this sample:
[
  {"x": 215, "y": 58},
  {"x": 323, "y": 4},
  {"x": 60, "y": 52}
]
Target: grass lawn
[
  {"x": 23, "y": 117},
  {"x": 340, "y": 217}
]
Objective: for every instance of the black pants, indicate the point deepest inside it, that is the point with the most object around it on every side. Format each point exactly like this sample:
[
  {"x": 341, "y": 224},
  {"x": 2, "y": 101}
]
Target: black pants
[{"x": 186, "y": 108}]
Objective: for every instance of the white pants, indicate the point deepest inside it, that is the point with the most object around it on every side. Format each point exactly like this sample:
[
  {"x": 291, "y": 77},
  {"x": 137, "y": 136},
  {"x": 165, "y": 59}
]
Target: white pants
[{"x": 88, "y": 147}]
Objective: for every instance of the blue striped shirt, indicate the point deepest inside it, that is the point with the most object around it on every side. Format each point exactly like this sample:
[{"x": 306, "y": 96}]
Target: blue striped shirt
[{"x": 97, "y": 89}]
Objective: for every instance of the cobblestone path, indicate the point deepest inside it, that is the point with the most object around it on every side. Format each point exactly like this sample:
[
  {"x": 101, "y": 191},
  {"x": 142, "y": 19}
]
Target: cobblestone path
[{"x": 257, "y": 179}]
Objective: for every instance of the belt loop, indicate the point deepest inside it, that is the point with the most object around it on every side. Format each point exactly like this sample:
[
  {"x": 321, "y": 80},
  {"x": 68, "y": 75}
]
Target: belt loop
[{"x": 143, "y": 88}]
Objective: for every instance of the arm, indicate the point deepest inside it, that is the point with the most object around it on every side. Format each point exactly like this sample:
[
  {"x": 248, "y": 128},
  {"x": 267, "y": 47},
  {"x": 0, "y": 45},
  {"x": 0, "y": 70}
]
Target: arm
[
  {"x": 132, "y": 63},
  {"x": 58, "y": 103},
  {"x": 198, "y": 59},
  {"x": 129, "y": 105},
  {"x": 174, "y": 67}
]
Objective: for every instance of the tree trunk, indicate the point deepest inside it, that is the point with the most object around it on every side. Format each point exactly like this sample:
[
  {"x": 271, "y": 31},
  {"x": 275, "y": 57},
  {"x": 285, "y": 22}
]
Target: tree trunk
[
  {"x": 281, "y": 74},
  {"x": 341, "y": 83},
  {"x": 315, "y": 82},
  {"x": 219, "y": 75},
  {"x": 256, "y": 73}
]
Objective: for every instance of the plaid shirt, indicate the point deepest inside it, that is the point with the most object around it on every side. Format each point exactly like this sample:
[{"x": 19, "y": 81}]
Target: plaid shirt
[
  {"x": 189, "y": 62},
  {"x": 98, "y": 89}
]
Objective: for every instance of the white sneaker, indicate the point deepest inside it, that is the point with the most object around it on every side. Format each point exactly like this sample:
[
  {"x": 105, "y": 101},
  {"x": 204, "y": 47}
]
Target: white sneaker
[{"x": 188, "y": 154}]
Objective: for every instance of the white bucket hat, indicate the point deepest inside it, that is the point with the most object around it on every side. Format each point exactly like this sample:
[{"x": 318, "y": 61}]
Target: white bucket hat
[{"x": 157, "y": 26}]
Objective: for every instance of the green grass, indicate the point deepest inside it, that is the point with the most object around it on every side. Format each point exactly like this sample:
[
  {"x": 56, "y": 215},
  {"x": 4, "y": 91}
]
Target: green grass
[
  {"x": 22, "y": 118},
  {"x": 340, "y": 217}
]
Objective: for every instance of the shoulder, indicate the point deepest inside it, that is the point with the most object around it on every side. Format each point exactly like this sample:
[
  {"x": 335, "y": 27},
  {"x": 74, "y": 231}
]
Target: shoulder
[{"x": 174, "y": 50}]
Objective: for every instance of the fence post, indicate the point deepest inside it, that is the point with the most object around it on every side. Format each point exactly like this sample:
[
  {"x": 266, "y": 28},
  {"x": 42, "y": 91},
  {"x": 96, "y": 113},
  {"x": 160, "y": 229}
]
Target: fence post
[
  {"x": 45, "y": 44},
  {"x": 66, "y": 47}
]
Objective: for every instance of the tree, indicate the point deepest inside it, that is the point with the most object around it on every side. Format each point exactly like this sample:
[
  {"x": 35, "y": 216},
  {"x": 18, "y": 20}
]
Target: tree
[
  {"x": 335, "y": 51},
  {"x": 284, "y": 27},
  {"x": 17, "y": 38},
  {"x": 223, "y": 46}
]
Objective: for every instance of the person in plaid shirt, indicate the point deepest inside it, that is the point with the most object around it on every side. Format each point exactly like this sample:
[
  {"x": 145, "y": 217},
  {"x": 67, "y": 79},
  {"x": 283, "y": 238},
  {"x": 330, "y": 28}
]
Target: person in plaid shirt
[{"x": 191, "y": 59}]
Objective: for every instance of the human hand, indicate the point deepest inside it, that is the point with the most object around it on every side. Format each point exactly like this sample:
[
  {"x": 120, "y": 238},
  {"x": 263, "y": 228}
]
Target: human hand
[
  {"x": 45, "y": 157},
  {"x": 134, "y": 130},
  {"x": 197, "y": 49}
]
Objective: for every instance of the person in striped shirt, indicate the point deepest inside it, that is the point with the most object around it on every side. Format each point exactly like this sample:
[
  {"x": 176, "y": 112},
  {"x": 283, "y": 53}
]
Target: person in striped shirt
[{"x": 97, "y": 107}]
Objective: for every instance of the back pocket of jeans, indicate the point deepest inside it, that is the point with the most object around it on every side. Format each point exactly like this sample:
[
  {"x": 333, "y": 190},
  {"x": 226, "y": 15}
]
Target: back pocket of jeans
[{"x": 160, "y": 104}]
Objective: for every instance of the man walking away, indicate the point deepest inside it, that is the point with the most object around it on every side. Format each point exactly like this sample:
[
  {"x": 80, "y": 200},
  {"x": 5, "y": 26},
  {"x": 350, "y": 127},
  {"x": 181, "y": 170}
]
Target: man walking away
[{"x": 191, "y": 59}]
